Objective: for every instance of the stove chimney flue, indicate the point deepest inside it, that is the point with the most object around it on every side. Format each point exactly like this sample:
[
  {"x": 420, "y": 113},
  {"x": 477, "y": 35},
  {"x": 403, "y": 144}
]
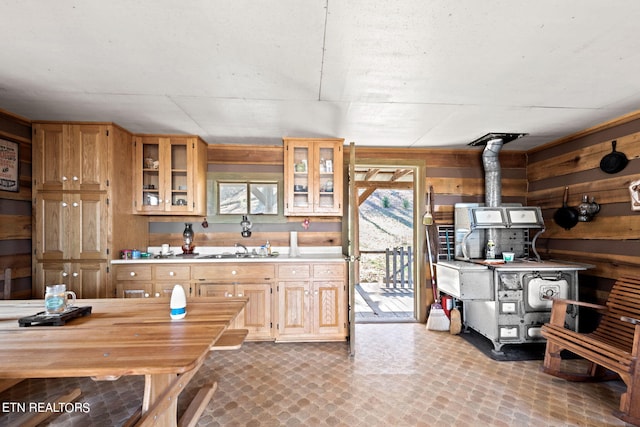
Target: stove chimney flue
[
  {"x": 493, "y": 143},
  {"x": 492, "y": 173}
]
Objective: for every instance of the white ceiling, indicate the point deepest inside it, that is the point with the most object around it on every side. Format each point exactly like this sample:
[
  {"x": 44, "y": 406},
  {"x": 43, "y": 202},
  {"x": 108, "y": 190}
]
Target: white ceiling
[{"x": 401, "y": 73}]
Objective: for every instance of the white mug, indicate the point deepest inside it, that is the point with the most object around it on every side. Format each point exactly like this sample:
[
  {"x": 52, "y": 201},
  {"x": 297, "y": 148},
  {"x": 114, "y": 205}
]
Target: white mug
[
  {"x": 165, "y": 249},
  {"x": 56, "y": 299}
]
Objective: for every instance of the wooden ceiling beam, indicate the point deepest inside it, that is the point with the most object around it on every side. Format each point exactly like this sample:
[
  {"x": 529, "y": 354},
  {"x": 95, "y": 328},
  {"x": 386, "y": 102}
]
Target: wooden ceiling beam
[
  {"x": 385, "y": 184},
  {"x": 365, "y": 195},
  {"x": 399, "y": 173},
  {"x": 371, "y": 173}
]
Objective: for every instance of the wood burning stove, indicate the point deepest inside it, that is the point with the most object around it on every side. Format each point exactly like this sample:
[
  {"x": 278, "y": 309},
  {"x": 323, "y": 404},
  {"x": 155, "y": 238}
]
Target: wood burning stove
[{"x": 505, "y": 301}]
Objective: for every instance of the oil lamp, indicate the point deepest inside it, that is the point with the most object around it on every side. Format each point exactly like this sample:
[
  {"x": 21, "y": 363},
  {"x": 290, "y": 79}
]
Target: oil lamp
[{"x": 187, "y": 238}]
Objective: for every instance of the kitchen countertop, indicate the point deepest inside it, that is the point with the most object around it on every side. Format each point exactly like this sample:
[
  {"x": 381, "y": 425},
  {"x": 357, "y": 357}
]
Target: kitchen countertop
[
  {"x": 518, "y": 264},
  {"x": 308, "y": 255}
]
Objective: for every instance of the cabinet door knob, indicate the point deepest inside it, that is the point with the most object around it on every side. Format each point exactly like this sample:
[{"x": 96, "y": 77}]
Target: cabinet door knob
[
  {"x": 157, "y": 294},
  {"x": 64, "y": 178},
  {"x": 75, "y": 274},
  {"x": 75, "y": 204},
  {"x": 146, "y": 295},
  {"x": 64, "y": 204},
  {"x": 65, "y": 274},
  {"x": 75, "y": 178},
  {"x": 240, "y": 294},
  {"x": 132, "y": 274}
]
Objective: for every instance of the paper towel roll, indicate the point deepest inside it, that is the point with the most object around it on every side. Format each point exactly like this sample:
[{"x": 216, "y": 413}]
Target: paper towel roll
[{"x": 293, "y": 245}]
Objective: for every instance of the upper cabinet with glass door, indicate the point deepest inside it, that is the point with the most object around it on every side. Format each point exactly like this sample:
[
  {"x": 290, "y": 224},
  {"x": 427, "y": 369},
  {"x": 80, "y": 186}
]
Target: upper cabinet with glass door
[
  {"x": 170, "y": 175},
  {"x": 313, "y": 176}
]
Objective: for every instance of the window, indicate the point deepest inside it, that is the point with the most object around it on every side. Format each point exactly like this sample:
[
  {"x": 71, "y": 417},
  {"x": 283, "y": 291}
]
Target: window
[{"x": 242, "y": 198}]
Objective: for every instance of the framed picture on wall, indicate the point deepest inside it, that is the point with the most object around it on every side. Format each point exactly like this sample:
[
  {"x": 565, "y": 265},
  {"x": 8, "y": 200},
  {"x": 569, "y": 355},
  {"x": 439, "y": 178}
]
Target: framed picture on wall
[{"x": 9, "y": 175}]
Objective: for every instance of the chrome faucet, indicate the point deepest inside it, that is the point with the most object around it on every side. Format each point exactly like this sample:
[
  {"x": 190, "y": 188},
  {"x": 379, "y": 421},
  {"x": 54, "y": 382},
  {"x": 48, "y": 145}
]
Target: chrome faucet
[{"x": 238, "y": 245}]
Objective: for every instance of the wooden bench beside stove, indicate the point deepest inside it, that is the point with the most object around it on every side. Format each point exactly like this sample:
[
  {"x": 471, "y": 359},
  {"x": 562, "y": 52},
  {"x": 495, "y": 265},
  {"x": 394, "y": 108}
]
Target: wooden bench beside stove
[{"x": 613, "y": 345}]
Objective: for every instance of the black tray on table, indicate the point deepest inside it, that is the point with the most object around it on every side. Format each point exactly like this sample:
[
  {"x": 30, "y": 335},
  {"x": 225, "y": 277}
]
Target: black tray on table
[{"x": 44, "y": 319}]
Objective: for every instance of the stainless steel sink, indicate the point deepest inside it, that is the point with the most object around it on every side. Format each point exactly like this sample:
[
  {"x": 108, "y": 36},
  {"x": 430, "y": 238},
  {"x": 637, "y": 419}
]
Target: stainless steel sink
[{"x": 228, "y": 255}]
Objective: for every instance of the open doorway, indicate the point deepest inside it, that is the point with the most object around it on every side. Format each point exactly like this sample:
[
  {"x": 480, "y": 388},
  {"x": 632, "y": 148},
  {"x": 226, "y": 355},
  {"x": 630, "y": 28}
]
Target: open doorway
[{"x": 386, "y": 277}]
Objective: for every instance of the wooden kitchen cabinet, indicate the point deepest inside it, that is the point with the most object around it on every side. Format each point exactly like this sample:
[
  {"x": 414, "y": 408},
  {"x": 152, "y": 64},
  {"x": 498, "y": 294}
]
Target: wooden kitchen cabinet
[
  {"x": 71, "y": 225},
  {"x": 287, "y": 301},
  {"x": 134, "y": 290},
  {"x": 86, "y": 279},
  {"x": 313, "y": 177},
  {"x": 217, "y": 290},
  {"x": 150, "y": 281},
  {"x": 256, "y": 315},
  {"x": 167, "y": 276},
  {"x": 311, "y": 302},
  {"x": 250, "y": 280},
  {"x": 170, "y": 175},
  {"x": 82, "y": 204},
  {"x": 70, "y": 156}
]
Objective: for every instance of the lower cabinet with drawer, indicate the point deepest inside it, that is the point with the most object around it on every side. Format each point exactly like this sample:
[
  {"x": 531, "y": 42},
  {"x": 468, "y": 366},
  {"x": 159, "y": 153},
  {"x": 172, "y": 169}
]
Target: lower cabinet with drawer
[
  {"x": 256, "y": 315},
  {"x": 151, "y": 281},
  {"x": 288, "y": 302},
  {"x": 250, "y": 280},
  {"x": 312, "y": 302}
]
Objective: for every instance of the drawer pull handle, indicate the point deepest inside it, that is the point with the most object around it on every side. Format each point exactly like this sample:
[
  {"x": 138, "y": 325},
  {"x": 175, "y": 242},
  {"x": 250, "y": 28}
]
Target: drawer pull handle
[
  {"x": 132, "y": 274},
  {"x": 157, "y": 294},
  {"x": 240, "y": 294},
  {"x": 233, "y": 272},
  {"x": 171, "y": 273}
]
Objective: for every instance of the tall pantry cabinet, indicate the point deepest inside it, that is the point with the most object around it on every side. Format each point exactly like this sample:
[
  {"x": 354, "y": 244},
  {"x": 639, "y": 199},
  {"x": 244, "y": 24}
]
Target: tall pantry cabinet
[{"x": 82, "y": 204}]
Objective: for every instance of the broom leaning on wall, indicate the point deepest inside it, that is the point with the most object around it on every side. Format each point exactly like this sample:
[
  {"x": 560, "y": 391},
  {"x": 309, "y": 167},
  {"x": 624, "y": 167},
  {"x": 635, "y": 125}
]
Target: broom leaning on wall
[{"x": 437, "y": 320}]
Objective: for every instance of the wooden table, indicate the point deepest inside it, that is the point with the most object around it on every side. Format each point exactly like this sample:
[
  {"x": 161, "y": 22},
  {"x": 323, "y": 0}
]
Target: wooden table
[{"x": 119, "y": 337}]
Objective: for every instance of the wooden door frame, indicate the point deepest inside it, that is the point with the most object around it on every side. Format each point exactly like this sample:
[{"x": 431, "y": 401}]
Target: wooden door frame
[{"x": 419, "y": 208}]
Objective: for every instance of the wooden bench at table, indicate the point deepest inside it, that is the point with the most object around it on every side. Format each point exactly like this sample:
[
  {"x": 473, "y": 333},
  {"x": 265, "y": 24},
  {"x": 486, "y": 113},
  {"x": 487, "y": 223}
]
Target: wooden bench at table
[
  {"x": 231, "y": 339},
  {"x": 614, "y": 345}
]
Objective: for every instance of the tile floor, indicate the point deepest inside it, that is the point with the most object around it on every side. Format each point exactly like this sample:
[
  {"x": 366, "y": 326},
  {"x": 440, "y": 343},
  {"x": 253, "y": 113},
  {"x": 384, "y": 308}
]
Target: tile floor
[{"x": 402, "y": 375}]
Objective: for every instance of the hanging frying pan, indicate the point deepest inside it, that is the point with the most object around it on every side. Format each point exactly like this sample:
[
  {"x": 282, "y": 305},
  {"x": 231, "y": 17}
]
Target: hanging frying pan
[
  {"x": 615, "y": 161},
  {"x": 566, "y": 217}
]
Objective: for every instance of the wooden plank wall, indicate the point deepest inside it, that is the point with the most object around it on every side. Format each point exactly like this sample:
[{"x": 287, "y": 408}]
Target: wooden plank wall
[
  {"x": 15, "y": 212},
  {"x": 457, "y": 176},
  {"x": 246, "y": 159},
  {"x": 611, "y": 241}
]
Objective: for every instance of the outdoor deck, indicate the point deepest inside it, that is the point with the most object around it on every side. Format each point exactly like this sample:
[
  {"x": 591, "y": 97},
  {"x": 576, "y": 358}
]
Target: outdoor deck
[{"x": 377, "y": 303}]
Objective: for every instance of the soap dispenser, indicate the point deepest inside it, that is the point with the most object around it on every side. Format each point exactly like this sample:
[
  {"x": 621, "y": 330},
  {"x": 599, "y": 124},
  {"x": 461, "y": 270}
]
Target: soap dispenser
[{"x": 178, "y": 304}]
